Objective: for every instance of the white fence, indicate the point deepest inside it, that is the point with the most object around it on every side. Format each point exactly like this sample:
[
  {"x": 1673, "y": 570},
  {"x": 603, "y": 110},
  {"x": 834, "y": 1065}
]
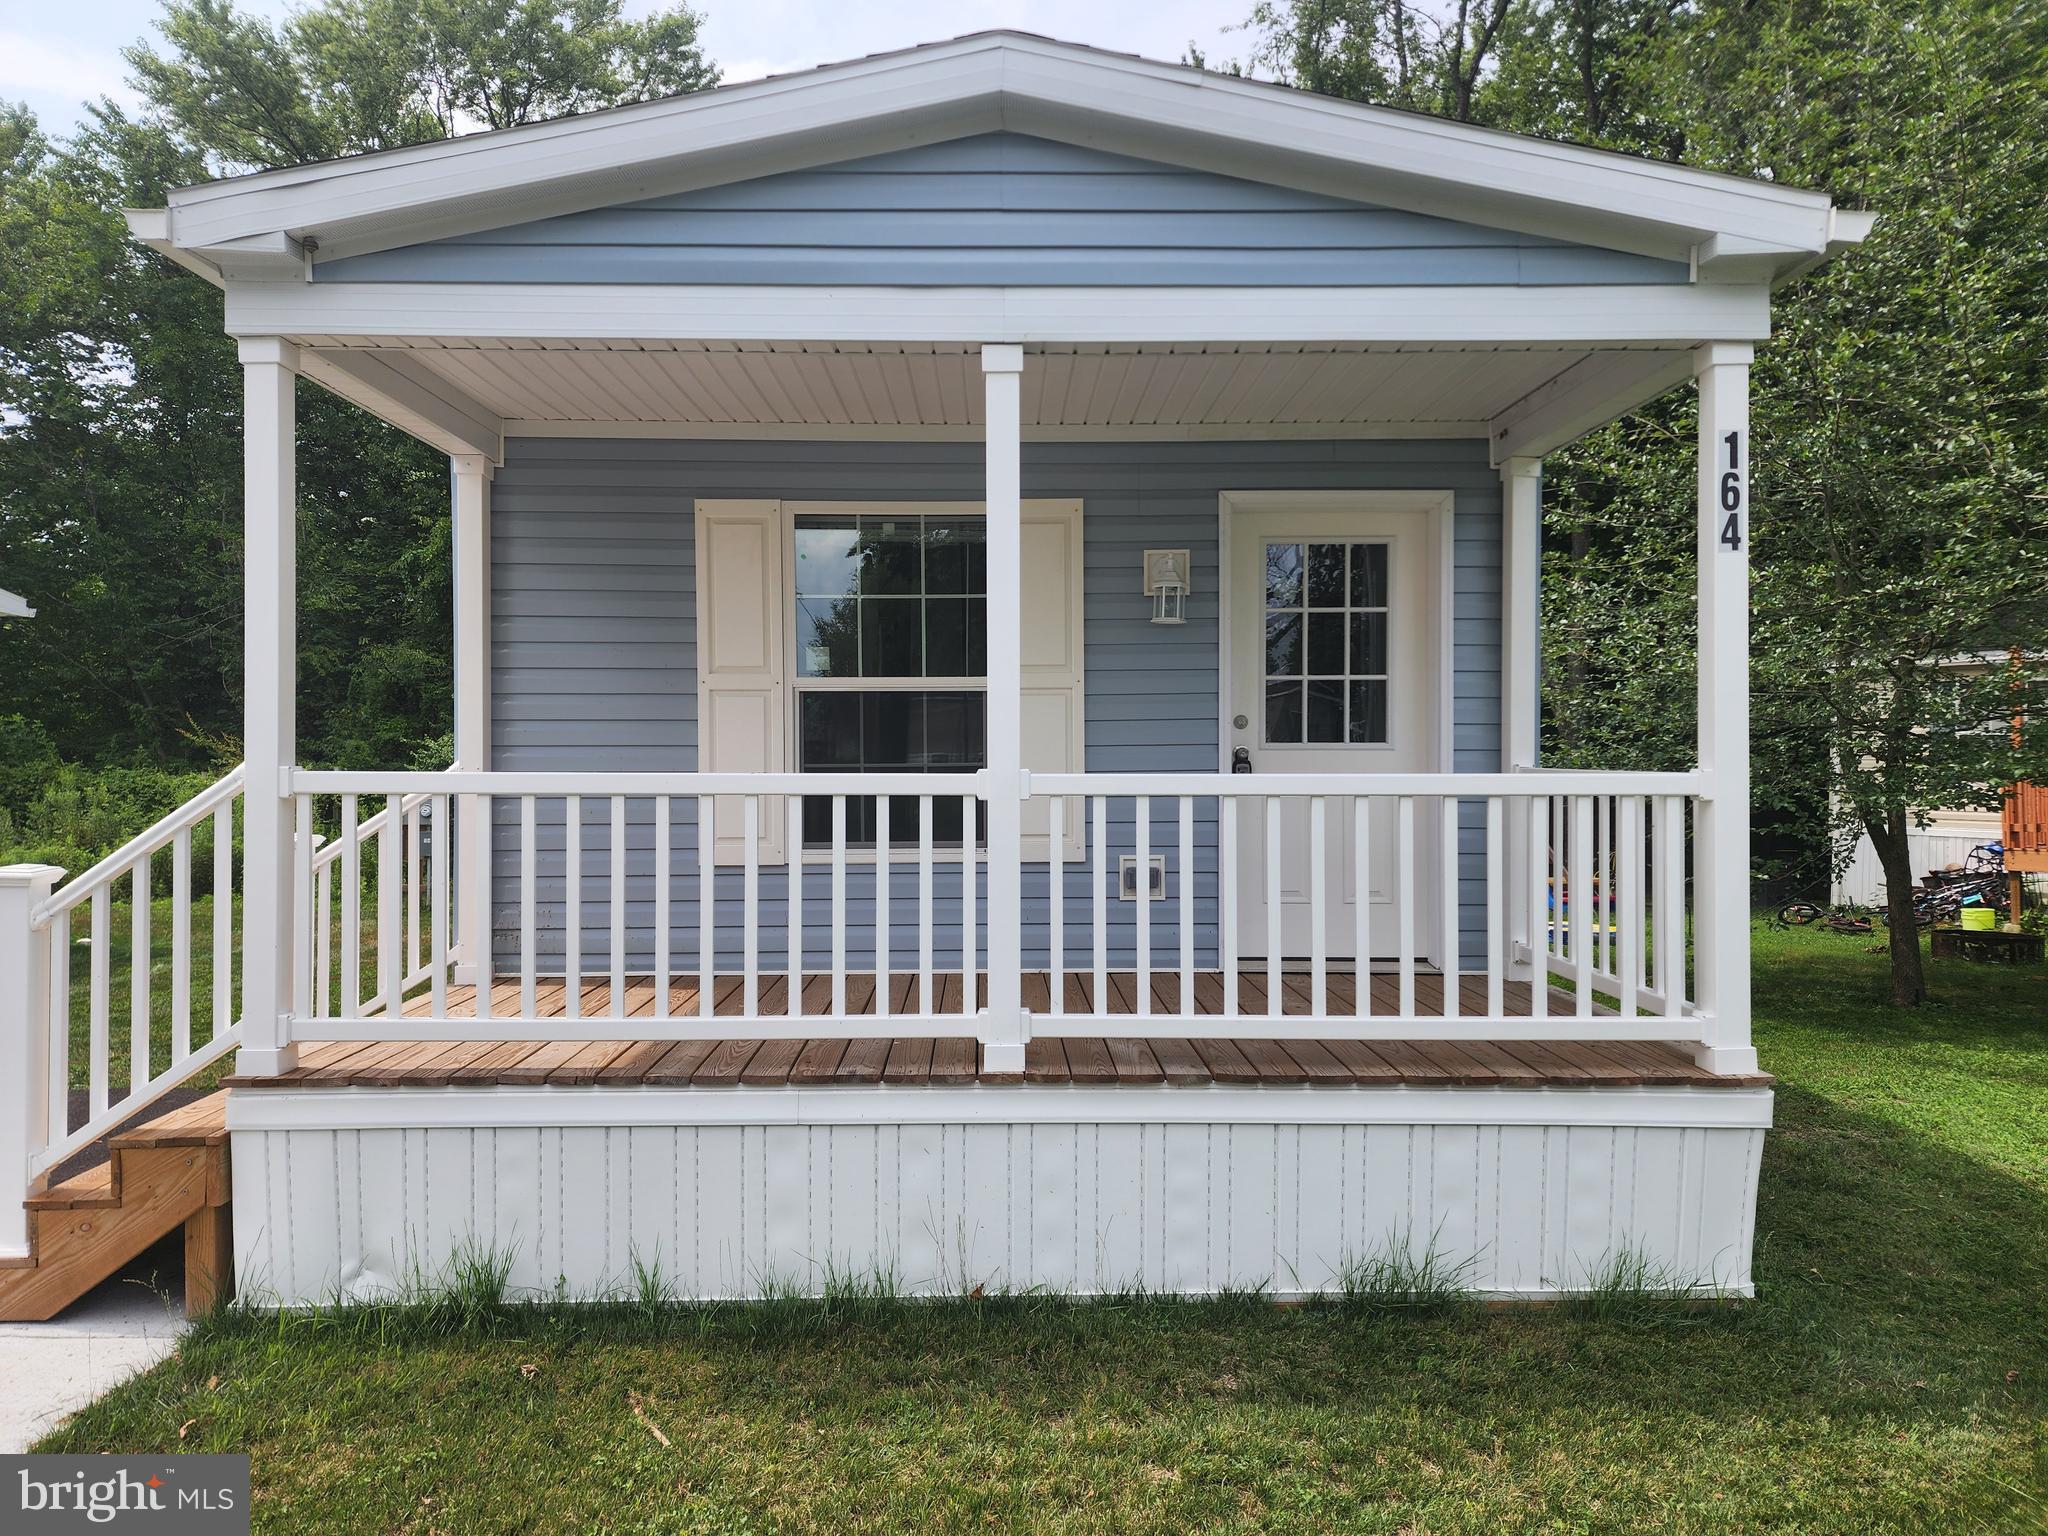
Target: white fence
[
  {"x": 39, "y": 935},
  {"x": 700, "y": 932}
]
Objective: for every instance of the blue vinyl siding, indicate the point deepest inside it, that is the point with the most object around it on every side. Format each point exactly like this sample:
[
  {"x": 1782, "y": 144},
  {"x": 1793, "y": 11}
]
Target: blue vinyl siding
[
  {"x": 999, "y": 209},
  {"x": 594, "y": 654}
]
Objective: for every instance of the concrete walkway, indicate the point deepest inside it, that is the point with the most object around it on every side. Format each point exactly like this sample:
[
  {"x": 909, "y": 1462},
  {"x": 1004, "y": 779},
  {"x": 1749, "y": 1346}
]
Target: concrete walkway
[{"x": 49, "y": 1371}]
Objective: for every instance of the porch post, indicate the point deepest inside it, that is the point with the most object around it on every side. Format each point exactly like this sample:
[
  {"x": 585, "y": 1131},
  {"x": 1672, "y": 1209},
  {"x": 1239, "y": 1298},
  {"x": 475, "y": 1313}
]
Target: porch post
[
  {"x": 24, "y": 1043},
  {"x": 472, "y": 549},
  {"x": 1521, "y": 669},
  {"x": 270, "y": 664},
  {"x": 1721, "y": 824},
  {"x": 1006, "y": 1027}
]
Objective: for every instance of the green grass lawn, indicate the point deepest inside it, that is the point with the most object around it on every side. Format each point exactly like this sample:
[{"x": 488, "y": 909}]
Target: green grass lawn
[{"x": 1889, "y": 1376}]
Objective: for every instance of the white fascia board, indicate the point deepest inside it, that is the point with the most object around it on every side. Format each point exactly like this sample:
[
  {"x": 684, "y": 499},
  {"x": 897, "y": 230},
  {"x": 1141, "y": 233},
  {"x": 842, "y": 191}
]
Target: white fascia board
[
  {"x": 1590, "y": 393},
  {"x": 14, "y": 607},
  {"x": 1029, "y": 85},
  {"x": 504, "y": 1107},
  {"x": 1431, "y": 164},
  {"x": 605, "y": 157},
  {"x": 1670, "y": 314},
  {"x": 411, "y": 398},
  {"x": 152, "y": 227}
]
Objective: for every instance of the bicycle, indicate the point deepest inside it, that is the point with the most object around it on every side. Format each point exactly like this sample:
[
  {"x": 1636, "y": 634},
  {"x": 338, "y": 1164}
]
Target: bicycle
[{"x": 1838, "y": 919}]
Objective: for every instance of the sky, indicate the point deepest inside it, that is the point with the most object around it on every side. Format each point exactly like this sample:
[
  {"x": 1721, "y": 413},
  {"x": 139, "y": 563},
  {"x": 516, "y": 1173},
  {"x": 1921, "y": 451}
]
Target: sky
[{"x": 57, "y": 54}]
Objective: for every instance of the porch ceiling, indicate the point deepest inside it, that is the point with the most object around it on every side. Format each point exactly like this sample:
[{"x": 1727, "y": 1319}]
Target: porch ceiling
[{"x": 657, "y": 387}]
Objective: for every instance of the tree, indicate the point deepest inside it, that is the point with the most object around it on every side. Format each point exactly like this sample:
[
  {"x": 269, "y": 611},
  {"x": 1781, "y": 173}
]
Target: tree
[
  {"x": 1899, "y": 435},
  {"x": 120, "y": 413},
  {"x": 349, "y": 76},
  {"x": 1399, "y": 53}
]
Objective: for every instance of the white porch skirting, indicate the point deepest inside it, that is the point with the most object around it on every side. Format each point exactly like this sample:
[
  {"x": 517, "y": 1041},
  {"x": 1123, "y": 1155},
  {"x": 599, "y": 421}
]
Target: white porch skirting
[{"x": 361, "y": 1194}]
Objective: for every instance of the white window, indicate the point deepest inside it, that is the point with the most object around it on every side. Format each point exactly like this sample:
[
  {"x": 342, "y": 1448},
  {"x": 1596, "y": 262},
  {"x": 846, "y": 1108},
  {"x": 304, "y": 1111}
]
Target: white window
[
  {"x": 891, "y": 661},
  {"x": 850, "y": 637}
]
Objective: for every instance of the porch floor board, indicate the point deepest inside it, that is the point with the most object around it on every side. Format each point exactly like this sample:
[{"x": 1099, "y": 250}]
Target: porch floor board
[{"x": 958, "y": 1060}]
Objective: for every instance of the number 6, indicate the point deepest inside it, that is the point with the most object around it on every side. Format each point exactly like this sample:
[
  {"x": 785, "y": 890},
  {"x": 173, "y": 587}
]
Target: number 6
[{"x": 1731, "y": 491}]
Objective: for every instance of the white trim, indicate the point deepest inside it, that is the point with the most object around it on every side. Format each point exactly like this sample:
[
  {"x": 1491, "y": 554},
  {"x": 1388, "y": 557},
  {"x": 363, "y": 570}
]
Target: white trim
[
  {"x": 863, "y": 432},
  {"x": 1591, "y": 392},
  {"x": 1034, "y": 509},
  {"x": 1721, "y": 830},
  {"x": 503, "y": 1107},
  {"x": 13, "y": 607},
  {"x": 1672, "y": 314},
  {"x": 995, "y": 81},
  {"x": 1440, "y": 506},
  {"x": 398, "y": 389}
]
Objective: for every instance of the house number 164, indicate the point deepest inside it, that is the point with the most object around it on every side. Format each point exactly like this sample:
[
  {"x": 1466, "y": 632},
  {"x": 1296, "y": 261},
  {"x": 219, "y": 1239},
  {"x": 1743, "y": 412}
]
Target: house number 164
[{"x": 1732, "y": 494}]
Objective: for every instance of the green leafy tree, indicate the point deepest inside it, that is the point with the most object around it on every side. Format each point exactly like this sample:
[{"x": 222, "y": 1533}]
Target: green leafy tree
[
  {"x": 1898, "y": 423},
  {"x": 120, "y": 408},
  {"x": 349, "y": 76}
]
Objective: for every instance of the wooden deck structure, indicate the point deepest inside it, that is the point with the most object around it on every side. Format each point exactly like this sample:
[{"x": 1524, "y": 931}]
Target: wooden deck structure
[{"x": 840, "y": 1061}]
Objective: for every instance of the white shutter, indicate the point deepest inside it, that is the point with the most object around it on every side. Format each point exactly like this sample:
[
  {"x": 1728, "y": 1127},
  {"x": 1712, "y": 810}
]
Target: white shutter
[
  {"x": 1054, "y": 709},
  {"x": 741, "y": 676}
]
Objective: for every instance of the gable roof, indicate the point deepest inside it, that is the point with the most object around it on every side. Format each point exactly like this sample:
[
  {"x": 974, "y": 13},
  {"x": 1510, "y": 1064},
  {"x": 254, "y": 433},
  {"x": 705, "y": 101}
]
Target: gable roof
[{"x": 261, "y": 225}]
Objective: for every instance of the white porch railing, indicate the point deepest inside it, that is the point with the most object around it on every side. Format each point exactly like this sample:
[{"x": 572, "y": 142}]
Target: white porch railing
[
  {"x": 683, "y": 922},
  {"x": 38, "y": 922}
]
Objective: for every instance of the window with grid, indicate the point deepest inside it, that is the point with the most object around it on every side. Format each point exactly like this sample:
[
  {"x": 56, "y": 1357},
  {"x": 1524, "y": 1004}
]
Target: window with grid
[
  {"x": 1326, "y": 644},
  {"x": 891, "y": 662}
]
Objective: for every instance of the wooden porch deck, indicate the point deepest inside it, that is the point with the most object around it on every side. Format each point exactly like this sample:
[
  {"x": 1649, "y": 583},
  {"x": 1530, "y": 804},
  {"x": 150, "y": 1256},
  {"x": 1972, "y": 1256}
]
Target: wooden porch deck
[{"x": 957, "y": 1060}]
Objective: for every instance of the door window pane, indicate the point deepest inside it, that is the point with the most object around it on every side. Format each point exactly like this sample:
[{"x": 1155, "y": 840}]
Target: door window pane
[
  {"x": 1283, "y": 712},
  {"x": 1283, "y": 645},
  {"x": 1283, "y": 575},
  {"x": 1369, "y": 645},
  {"x": 1326, "y": 645},
  {"x": 1326, "y": 575},
  {"x": 1326, "y": 658},
  {"x": 1368, "y": 575},
  {"x": 1326, "y": 710},
  {"x": 1369, "y": 710}
]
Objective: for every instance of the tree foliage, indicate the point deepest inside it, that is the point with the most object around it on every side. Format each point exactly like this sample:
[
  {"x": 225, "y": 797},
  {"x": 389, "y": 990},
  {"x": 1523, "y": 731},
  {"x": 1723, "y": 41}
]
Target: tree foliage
[
  {"x": 120, "y": 399},
  {"x": 1899, "y": 436}
]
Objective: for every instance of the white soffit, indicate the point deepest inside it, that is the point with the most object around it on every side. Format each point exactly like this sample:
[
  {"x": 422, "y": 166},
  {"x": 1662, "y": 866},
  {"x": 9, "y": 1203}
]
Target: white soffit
[
  {"x": 935, "y": 389},
  {"x": 985, "y": 83}
]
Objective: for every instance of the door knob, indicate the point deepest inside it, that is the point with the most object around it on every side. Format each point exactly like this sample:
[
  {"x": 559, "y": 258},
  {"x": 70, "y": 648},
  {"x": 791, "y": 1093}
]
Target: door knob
[{"x": 1241, "y": 760}]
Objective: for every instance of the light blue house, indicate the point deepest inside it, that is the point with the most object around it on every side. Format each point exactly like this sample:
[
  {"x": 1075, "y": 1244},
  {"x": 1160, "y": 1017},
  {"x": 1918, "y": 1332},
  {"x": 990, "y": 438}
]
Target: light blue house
[{"x": 1082, "y": 514}]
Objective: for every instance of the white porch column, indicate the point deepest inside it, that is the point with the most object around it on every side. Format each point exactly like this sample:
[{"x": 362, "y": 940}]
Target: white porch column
[
  {"x": 1721, "y": 827},
  {"x": 472, "y": 547},
  {"x": 270, "y": 666},
  {"x": 1006, "y": 1028},
  {"x": 1521, "y": 665},
  {"x": 24, "y": 1043}
]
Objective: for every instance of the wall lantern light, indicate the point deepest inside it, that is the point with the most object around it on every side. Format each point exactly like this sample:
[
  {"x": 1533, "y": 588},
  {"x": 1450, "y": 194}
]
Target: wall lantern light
[{"x": 1166, "y": 583}]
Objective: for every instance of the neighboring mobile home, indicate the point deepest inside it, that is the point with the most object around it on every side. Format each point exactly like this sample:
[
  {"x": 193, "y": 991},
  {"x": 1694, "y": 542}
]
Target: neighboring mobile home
[{"x": 996, "y": 667}]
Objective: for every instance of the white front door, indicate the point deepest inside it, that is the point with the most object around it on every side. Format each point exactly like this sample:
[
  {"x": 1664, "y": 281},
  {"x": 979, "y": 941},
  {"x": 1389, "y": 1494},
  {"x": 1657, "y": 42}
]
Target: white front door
[{"x": 1336, "y": 667}]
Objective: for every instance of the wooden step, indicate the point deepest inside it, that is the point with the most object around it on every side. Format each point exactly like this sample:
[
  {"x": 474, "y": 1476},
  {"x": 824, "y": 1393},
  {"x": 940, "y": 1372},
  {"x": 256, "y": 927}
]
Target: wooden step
[
  {"x": 94, "y": 1187},
  {"x": 169, "y": 1173}
]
